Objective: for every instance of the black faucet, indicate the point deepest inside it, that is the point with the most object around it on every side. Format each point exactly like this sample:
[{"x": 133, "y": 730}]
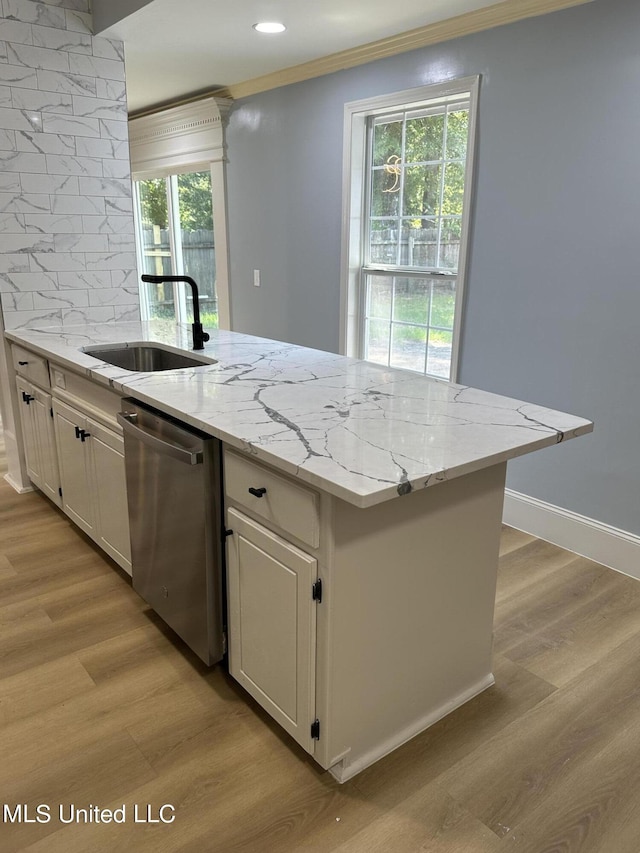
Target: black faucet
[{"x": 199, "y": 335}]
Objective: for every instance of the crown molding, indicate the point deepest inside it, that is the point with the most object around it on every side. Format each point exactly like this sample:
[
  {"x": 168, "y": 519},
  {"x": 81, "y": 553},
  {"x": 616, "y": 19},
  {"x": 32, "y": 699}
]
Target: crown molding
[
  {"x": 497, "y": 15},
  {"x": 180, "y": 135}
]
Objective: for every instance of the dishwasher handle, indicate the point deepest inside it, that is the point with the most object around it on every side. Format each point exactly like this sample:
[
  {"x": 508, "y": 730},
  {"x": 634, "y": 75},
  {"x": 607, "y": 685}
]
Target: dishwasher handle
[{"x": 181, "y": 454}]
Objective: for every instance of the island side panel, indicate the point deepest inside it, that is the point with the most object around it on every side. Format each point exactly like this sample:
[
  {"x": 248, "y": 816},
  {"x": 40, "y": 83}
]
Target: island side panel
[{"x": 406, "y": 624}]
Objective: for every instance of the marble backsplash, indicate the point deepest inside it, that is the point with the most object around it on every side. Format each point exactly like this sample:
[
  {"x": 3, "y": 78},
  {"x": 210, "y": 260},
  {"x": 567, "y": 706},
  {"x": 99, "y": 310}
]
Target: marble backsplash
[{"x": 67, "y": 248}]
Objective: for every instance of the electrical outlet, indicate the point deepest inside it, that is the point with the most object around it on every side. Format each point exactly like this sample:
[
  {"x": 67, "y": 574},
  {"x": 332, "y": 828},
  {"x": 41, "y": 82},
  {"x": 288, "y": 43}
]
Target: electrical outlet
[{"x": 256, "y": 278}]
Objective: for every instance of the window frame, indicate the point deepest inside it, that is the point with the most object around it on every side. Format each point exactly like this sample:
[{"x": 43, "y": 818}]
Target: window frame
[
  {"x": 176, "y": 140},
  {"x": 175, "y": 247},
  {"x": 354, "y": 205}
]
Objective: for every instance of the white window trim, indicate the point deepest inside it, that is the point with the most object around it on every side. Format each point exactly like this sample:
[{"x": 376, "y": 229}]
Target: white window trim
[
  {"x": 354, "y": 161},
  {"x": 189, "y": 138}
]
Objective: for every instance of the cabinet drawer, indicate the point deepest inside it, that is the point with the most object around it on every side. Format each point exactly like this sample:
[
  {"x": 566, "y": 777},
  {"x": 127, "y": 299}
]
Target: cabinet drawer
[
  {"x": 34, "y": 367},
  {"x": 284, "y": 503}
]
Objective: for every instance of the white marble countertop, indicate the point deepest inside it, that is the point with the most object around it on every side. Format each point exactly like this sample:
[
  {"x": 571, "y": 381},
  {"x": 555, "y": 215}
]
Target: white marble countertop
[{"x": 357, "y": 430}]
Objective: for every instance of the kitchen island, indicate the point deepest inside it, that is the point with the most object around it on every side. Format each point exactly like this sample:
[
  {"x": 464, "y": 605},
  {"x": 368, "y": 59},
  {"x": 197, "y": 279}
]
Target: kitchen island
[{"x": 362, "y": 581}]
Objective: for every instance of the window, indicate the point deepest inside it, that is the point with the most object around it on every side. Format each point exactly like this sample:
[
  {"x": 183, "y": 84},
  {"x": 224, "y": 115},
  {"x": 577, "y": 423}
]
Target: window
[
  {"x": 177, "y": 161},
  {"x": 408, "y": 176},
  {"x": 174, "y": 218}
]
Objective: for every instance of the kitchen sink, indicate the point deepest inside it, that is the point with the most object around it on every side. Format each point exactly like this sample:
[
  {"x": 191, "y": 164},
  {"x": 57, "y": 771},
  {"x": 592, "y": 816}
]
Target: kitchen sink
[{"x": 145, "y": 357}]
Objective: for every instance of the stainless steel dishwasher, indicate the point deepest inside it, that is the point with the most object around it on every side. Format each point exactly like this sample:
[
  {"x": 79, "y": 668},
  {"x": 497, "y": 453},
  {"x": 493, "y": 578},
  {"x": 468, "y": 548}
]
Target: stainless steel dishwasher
[{"x": 174, "y": 494}]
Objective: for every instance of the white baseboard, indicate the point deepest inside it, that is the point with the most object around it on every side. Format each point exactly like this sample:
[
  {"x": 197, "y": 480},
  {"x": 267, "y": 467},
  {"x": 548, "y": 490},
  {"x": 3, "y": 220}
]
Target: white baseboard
[
  {"x": 585, "y": 536},
  {"x": 20, "y": 489}
]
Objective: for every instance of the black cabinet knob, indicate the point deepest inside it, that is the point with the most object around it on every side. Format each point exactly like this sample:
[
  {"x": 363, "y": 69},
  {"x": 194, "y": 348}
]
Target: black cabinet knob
[{"x": 258, "y": 493}]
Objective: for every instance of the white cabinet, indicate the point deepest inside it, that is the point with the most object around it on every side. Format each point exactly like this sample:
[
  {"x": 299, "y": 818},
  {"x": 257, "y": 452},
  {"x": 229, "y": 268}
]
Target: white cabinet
[
  {"x": 74, "y": 449},
  {"x": 39, "y": 439},
  {"x": 72, "y": 435},
  {"x": 401, "y": 633},
  {"x": 273, "y": 591},
  {"x": 110, "y": 490},
  {"x": 31, "y": 366},
  {"x": 272, "y": 623},
  {"x": 93, "y": 480},
  {"x": 274, "y": 499},
  {"x": 26, "y": 396}
]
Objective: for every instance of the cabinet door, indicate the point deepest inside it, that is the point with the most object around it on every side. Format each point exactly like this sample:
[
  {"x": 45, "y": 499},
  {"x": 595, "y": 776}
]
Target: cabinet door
[
  {"x": 108, "y": 474},
  {"x": 26, "y": 397},
  {"x": 77, "y": 498},
  {"x": 49, "y": 474},
  {"x": 272, "y": 624},
  {"x": 39, "y": 440}
]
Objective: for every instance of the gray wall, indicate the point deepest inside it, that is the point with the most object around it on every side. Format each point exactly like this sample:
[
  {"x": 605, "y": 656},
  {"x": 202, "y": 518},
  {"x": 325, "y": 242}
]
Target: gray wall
[{"x": 553, "y": 294}]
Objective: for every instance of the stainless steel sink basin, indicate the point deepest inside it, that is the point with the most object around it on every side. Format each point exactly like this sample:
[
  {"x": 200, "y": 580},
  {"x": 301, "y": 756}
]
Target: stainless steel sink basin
[{"x": 145, "y": 357}]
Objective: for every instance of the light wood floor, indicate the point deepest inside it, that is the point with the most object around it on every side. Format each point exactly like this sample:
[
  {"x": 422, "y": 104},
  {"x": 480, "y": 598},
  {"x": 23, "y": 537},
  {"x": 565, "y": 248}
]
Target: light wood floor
[{"x": 99, "y": 705}]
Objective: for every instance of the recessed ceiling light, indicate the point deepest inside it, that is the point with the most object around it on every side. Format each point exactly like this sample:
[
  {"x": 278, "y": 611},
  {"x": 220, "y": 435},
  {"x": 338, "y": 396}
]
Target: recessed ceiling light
[{"x": 269, "y": 27}]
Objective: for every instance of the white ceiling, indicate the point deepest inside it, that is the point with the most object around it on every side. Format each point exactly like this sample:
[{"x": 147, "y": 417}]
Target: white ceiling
[{"x": 176, "y": 49}]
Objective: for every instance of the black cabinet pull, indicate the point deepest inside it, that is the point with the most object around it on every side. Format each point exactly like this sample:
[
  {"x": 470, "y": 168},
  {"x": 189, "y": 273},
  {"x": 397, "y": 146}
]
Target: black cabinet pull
[
  {"x": 77, "y": 432},
  {"x": 258, "y": 493},
  {"x": 84, "y": 434},
  {"x": 23, "y": 363},
  {"x": 27, "y": 398}
]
